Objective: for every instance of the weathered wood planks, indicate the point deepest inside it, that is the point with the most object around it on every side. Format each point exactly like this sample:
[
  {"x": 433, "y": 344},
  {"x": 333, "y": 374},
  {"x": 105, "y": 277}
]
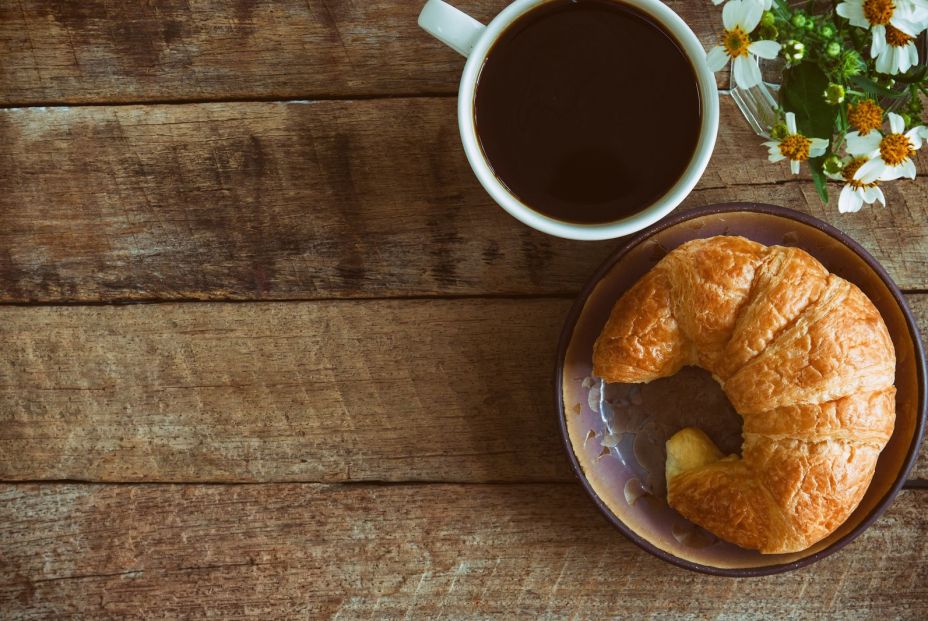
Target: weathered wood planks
[
  {"x": 366, "y": 198},
  {"x": 431, "y": 390},
  {"x": 322, "y": 200},
  {"x": 173, "y": 50},
  {"x": 435, "y": 551},
  {"x": 392, "y": 390}
]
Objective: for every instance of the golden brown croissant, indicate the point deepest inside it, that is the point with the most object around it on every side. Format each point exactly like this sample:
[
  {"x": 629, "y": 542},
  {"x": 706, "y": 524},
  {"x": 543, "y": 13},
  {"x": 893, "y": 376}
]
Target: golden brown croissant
[{"x": 802, "y": 355}]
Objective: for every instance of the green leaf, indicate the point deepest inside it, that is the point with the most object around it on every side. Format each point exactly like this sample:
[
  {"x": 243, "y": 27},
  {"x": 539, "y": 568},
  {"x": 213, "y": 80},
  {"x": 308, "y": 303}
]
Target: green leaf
[
  {"x": 912, "y": 76},
  {"x": 816, "y": 165},
  {"x": 875, "y": 90},
  {"x": 802, "y": 93}
]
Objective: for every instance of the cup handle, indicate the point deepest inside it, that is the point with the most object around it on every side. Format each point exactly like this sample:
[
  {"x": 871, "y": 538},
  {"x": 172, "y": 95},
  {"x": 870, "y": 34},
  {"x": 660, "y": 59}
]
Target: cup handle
[{"x": 453, "y": 27}]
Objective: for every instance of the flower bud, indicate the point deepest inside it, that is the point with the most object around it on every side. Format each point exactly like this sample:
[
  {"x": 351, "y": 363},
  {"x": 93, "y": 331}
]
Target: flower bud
[
  {"x": 833, "y": 165},
  {"x": 834, "y": 94},
  {"x": 794, "y": 51},
  {"x": 798, "y": 20},
  {"x": 851, "y": 64},
  {"x": 768, "y": 33},
  {"x": 915, "y": 107},
  {"x": 779, "y": 131},
  {"x": 833, "y": 49},
  {"x": 767, "y": 19},
  {"x": 827, "y": 31}
]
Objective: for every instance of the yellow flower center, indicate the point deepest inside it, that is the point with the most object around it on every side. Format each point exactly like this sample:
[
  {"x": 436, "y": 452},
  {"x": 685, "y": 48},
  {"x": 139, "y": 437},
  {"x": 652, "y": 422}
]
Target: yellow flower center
[
  {"x": 895, "y": 148},
  {"x": 795, "y": 147},
  {"x": 851, "y": 169},
  {"x": 865, "y": 116},
  {"x": 878, "y": 11},
  {"x": 736, "y": 42},
  {"x": 896, "y": 37}
]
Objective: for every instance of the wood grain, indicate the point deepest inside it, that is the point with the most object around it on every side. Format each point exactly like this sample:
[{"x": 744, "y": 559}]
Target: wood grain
[
  {"x": 437, "y": 551},
  {"x": 455, "y": 390},
  {"x": 322, "y": 200},
  {"x": 393, "y": 390},
  {"x": 78, "y": 51}
]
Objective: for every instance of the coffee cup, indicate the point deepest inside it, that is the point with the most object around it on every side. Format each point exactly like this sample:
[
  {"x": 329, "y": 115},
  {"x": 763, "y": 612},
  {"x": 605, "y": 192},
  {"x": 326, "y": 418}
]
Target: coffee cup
[{"x": 477, "y": 41}]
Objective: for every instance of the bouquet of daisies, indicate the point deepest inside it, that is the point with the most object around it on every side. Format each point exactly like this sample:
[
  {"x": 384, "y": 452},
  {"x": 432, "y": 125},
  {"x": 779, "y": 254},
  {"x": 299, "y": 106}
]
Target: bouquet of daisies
[{"x": 850, "y": 98}]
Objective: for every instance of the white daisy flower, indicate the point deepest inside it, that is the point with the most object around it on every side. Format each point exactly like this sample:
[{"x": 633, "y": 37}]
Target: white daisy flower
[
  {"x": 740, "y": 18},
  {"x": 795, "y": 147},
  {"x": 894, "y": 50},
  {"x": 890, "y": 156},
  {"x": 909, "y": 16},
  {"x": 855, "y": 194},
  {"x": 893, "y": 25}
]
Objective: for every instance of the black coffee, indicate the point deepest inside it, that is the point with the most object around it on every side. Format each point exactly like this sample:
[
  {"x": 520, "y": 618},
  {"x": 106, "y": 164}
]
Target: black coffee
[{"x": 587, "y": 110}]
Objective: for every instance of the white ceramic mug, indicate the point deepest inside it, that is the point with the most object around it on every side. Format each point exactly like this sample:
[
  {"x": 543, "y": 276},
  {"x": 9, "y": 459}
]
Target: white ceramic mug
[{"x": 474, "y": 40}]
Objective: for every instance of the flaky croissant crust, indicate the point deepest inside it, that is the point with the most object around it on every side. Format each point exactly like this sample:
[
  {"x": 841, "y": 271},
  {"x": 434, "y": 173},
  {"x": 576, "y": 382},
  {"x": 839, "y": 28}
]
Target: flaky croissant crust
[{"x": 802, "y": 355}]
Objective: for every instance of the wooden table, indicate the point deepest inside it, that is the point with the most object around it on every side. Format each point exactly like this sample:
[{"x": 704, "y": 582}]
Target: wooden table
[{"x": 270, "y": 352}]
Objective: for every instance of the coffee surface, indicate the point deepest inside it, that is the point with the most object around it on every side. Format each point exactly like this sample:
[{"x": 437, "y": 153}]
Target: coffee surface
[{"x": 587, "y": 110}]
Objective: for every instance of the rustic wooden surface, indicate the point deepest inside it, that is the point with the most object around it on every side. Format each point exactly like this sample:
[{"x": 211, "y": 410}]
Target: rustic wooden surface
[
  {"x": 315, "y": 200},
  {"x": 311, "y": 391},
  {"x": 354, "y": 417},
  {"x": 403, "y": 552},
  {"x": 90, "y": 51}
]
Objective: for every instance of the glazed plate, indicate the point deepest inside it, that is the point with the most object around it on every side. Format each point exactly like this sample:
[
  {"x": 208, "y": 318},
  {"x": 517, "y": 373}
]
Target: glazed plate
[{"x": 614, "y": 434}]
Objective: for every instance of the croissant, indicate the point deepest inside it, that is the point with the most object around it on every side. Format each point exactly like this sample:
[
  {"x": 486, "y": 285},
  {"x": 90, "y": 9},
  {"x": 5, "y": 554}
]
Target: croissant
[{"x": 803, "y": 356}]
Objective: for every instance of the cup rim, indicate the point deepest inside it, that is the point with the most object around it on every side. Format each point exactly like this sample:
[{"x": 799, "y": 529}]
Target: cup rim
[
  {"x": 708, "y": 94},
  {"x": 920, "y": 366}
]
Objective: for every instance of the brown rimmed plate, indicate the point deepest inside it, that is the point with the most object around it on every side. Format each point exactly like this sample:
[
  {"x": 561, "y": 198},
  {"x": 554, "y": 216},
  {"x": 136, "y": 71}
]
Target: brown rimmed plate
[{"x": 608, "y": 473}]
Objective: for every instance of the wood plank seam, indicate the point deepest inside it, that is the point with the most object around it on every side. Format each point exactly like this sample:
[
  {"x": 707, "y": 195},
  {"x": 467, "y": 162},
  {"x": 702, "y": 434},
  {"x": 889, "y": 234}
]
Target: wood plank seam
[{"x": 295, "y": 98}]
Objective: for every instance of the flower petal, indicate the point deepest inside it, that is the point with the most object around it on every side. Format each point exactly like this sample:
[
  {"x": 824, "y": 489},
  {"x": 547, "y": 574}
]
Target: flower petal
[
  {"x": 907, "y": 168},
  {"x": 765, "y": 49},
  {"x": 896, "y": 123},
  {"x": 899, "y": 22},
  {"x": 717, "y": 58},
  {"x": 878, "y": 194},
  {"x": 854, "y": 12},
  {"x": 893, "y": 53},
  {"x": 773, "y": 150},
  {"x": 914, "y": 10},
  {"x": 913, "y": 54},
  {"x": 717, "y": 2},
  {"x": 732, "y": 14},
  {"x": 753, "y": 11},
  {"x": 791, "y": 122},
  {"x": 818, "y": 147},
  {"x": 871, "y": 170},
  {"x": 915, "y": 137},
  {"x": 891, "y": 173},
  {"x": 858, "y": 145},
  {"x": 745, "y": 69},
  {"x": 904, "y": 57},
  {"x": 849, "y": 202},
  {"x": 878, "y": 44},
  {"x": 794, "y": 167}
]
